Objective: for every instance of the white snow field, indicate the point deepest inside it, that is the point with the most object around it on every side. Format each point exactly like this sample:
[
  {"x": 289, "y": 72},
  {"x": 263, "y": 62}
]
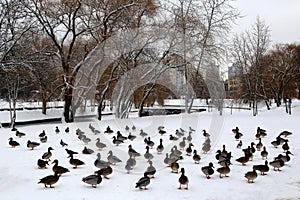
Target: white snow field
[{"x": 19, "y": 173}]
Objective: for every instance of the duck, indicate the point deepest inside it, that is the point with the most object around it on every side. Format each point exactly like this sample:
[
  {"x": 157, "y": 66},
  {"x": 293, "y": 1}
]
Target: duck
[
  {"x": 238, "y": 135},
  {"x": 20, "y": 134},
  {"x": 243, "y": 160},
  {"x": 182, "y": 143},
  {"x": 173, "y": 138},
  {"x": 132, "y": 152},
  {"x": 50, "y": 180},
  {"x": 42, "y": 164},
  {"x": 261, "y": 132},
  {"x": 251, "y": 176},
  {"x": 75, "y": 162},
  {"x": 196, "y": 157},
  {"x": 47, "y": 155},
  {"x": 133, "y": 128},
  {"x": 162, "y": 132},
  {"x": 235, "y": 130},
  {"x": 131, "y": 137},
  {"x": 259, "y": 145},
  {"x": 276, "y": 142},
  {"x": 71, "y": 152},
  {"x": 100, "y": 145},
  {"x": 160, "y": 147},
  {"x": 131, "y": 162},
  {"x": 174, "y": 167},
  {"x": 112, "y": 159},
  {"x": 142, "y": 133},
  {"x": 128, "y": 167},
  {"x": 120, "y": 136},
  {"x": 91, "y": 127},
  {"x": 100, "y": 163},
  {"x": 205, "y": 134},
  {"x": 264, "y": 153},
  {"x": 285, "y": 146},
  {"x": 143, "y": 182},
  {"x": 189, "y": 149},
  {"x": 208, "y": 170},
  {"x": 262, "y": 168},
  {"x": 191, "y": 129},
  {"x": 285, "y": 158},
  {"x": 117, "y": 141},
  {"x": 59, "y": 169},
  {"x": 62, "y": 143},
  {"x": 175, "y": 151},
  {"x": 148, "y": 156},
  {"x": 248, "y": 153},
  {"x": 225, "y": 160},
  {"x": 13, "y": 143},
  {"x": 127, "y": 128},
  {"x": 252, "y": 148},
  {"x": 57, "y": 130},
  {"x": 167, "y": 160},
  {"x": 93, "y": 180},
  {"x": 150, "y": 170},
  {"x": 32, "y": 145},
  {"x": 178, "y": 133},
  {"x": 285, "y": 133},
  {"x": 224, "y": 151},
  {"x": 239, "y": 145},
  {"x": 218, "y": 154},
  {"x": 67, "y": 130},
  {"x": 189, "y": 138},
  {"x": 224, "y": 170},
  {"x": 149, "y": 142},
  {"x": 108, "y": 130},
  {"x": 105, "y": 171},
  {"x": 42, "y": 134},
  {"x": 44, "y": 139},
  {"x": 183, "y": 180},
  {"x": 206, "y": 147},
  {"x": 277, "y": 164},
  {"x": 87, "y": 150}
]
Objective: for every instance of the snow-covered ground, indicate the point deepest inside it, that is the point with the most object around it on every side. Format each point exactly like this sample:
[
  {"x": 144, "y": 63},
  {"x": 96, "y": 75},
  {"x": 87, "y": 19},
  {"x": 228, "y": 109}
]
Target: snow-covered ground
[{"x": 19, "y": 174}]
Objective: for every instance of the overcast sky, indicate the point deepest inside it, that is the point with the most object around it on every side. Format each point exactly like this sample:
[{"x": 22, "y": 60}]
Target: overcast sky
[{"x": 282, "y": 17}]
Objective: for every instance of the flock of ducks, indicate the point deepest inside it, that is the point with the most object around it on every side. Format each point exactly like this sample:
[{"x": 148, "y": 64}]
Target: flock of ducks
[{"x": 183, "y": 148}]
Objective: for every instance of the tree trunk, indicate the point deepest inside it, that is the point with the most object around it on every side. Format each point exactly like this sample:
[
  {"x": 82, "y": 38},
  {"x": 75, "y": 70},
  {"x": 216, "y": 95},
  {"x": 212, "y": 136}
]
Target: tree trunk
[
  {"x": 68, "y": 114},
  {"x": 267, "y": 104},
  {"x": 44, "y": 106},
  {"x": 99, "y": 110}
]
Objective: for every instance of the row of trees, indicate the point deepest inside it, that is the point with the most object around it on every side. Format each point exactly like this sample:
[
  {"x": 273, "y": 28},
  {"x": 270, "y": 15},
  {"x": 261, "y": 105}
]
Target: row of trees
[
  {"x": 45, "y": 43},
  {"x": 265, "y": 72}
]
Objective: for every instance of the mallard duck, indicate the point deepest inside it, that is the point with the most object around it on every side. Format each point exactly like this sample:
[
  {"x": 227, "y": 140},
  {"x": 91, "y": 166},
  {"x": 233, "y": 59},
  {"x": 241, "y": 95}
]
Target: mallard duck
[
  {"x": 128, "y": 167},
  {"x": 120, "y": 136},
  {"x": 259, "y": 145},
  {"x": 13, "y": 143},
  {"x": 277, "y": 164},
  {"x": 131, "y": 161},
  {"x": 262, "y": 168},
  {"x": 143, "y": 182},
  {"x": 93, "y": 180},
  {"x": 167, "y": 160},
  {"x": 178, "y": 133},
  {"x": 112, "y": 158},
  {"x": 100, "y": 145},
  {"x": 224, "y": 151},
  {"x": 173, "y": 138},
  {"x": 248, "y": 153},
  {"x": 208, "y": 170},
  {"x": 196, "y": 157},
  {"x": 131, "y": 137},
  {"x": 239, "y": 145},
  {"x": 189, "y": 138},
  {"x": 87, "y": 150},
  {"x": 108, "y": 130},
  {"x": 182, "y": 143},
  {"x": 62, "y": 143},
  {"x": 49, "y": 180},
  {"x": 42, "y": 164},
  {"x": 117, "y": 141},
  {"x": 59, "y": 169},
  {"x": 206, "y": 147},
  {"x": 142, "y": 133},
  {"x": 205, "y": 134},
  {"x": 276, "y": 142},
  {"x": 148, "y": 156},
  {"x": 105, "y": 171},
  {"x": 32, "y": 145},
  {"x": 183, "y": 180},
  {"x": 224, "y": 170},
  {"x": 225, "y": 160},
  {"x": 162, "y": 132},
  {"x": 175, "y": 151},
  {"x": 47, "y": 155},
  {"x": 285, "y": 158},
  {"x": 160, "y": 147},
  {"x": 285, "y": 133},
  {"x": 20, "y": 134},
  {"x": 149, "y": 142},
  {"x": 70, "y": 152},
  {"x": 243, "y": 160},
  {"x": 218, "y": 154},
  {"x": 132, "y": 152},
  {"x": 285, "y": 146},
  {"x": 127, "y": 128},
  {"x": 264, "y": 153},
  {"x": 75, "y": 162},
  {"x": 174, "y": 167},
  {"x": 235, "y": 130},
  {"x": 238, "y": 135},
  {"x": 251, "y": 176},
  {"x": 189, "y": 149},
  {"x": 57, "y": 130},
  {"x": 100, "y": 163},
  {"x": 150, "y": 170},
  {"x": 133, "y": 128},
  {"x": 44, "y": 139}
]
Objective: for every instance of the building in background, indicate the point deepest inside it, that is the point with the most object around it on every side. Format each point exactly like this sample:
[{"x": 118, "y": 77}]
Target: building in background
[{"x": 233, "y": 84}]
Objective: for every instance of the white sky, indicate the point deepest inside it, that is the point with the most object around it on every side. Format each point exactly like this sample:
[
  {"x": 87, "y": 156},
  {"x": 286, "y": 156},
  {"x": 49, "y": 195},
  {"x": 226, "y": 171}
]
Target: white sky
[{"x": 282, "y": 17}]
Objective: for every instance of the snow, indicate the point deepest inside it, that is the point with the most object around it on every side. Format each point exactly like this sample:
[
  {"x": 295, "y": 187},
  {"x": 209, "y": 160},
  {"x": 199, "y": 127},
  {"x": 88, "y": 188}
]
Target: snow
[{"x": 19, "y": 173}]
